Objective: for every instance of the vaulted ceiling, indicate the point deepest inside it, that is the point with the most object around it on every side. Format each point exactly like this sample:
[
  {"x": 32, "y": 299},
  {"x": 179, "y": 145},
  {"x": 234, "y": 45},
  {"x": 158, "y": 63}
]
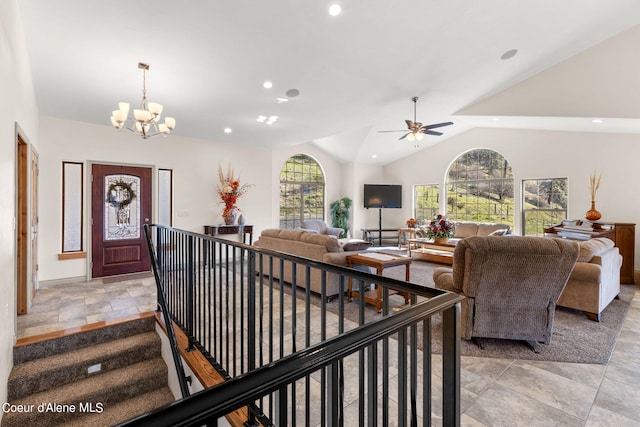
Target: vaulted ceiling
[{"x": 356, "y": 72}]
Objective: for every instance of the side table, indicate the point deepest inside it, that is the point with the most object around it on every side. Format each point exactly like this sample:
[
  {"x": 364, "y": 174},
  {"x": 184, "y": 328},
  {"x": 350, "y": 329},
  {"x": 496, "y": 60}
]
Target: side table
[
  {"x": 379, "y": 261},
  {"x": 405, "y": 235}
]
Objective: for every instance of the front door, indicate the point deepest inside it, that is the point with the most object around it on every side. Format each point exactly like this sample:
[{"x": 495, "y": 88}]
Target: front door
[{"x": 120, "y": 206}]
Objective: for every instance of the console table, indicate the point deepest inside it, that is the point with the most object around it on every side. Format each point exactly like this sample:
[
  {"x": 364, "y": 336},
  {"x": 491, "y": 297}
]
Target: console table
[
  {"x": 242, "y": 230},
  {"x": 369, "y": 234},
  {"x": 623, "y": 235}
]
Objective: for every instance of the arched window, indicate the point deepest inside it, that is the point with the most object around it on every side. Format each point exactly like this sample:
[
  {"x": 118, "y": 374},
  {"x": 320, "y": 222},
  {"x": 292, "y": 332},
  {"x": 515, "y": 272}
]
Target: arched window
[
  {"x": 301, "y": 191},
  {"x": 480, "y": 188}
]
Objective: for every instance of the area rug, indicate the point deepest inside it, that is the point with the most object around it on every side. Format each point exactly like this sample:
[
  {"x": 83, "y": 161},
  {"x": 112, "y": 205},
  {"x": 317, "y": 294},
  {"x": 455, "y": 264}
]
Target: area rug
[{"x": 575, "y": 338}]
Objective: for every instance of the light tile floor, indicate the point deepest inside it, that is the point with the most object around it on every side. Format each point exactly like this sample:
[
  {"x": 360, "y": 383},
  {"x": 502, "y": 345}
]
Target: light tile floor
[{"x": 495, "y": 392}]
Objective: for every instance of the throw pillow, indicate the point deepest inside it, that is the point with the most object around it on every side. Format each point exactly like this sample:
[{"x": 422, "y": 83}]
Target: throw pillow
[
  {"x": 356, "y": 245},
  {"x": 499, "y": 232}
]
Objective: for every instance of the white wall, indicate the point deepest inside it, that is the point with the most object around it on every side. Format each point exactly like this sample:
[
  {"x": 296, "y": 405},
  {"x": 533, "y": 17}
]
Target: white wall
[
  {"x": 17, "y": 104},
  {"x": 195, "y": 173},
  {"x": 543, "y": 154}
]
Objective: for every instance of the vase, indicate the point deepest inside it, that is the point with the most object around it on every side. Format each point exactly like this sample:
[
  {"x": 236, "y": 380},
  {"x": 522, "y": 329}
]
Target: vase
[
  {"x": 241, "y": 220},
  {"x": 592, "y": 214},
  {"x": 231, "y": 216},
  {"x": 441, "y": 240}
]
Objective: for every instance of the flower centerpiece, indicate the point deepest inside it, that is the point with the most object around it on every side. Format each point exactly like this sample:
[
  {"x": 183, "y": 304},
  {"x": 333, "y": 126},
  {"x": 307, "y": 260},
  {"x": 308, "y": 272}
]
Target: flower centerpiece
[
  {"x": 229, "y": 190},
  {"x": 439, "y": 228},
  {"x": 411, "y": 223}
]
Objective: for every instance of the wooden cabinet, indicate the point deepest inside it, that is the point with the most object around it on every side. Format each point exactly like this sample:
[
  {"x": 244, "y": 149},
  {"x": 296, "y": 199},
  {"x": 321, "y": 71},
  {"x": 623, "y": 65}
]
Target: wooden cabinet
[{"x": 623, "y": 235}]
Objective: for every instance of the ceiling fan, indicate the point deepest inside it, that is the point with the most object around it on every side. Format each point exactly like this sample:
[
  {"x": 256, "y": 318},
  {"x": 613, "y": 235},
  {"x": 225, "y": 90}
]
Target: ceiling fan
[{"x": 416, "y": 131}]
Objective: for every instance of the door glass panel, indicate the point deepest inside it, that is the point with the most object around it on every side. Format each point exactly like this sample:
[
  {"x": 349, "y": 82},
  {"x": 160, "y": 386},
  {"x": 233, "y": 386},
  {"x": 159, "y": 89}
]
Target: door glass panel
[{"x": 121, "y": 209}]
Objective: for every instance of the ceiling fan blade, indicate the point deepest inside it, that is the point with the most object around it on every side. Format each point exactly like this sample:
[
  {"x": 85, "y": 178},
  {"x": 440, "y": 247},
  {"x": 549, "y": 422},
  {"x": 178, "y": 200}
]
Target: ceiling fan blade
[
  {"x": 437, "y": 125},
  {"x": 409, "y": 123},
  {"x": 404, "y": 136},
  {"x": 400, "y": 130},
  {"x": 432, "y": 132}
]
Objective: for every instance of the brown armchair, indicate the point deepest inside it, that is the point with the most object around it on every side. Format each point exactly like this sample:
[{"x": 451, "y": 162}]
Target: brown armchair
[{"x": 511, "y": 285}]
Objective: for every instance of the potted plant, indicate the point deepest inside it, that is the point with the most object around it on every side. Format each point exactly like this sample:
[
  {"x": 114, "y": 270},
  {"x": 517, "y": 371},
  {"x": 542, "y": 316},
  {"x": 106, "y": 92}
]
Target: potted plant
[{"x": 340, "y": 214}]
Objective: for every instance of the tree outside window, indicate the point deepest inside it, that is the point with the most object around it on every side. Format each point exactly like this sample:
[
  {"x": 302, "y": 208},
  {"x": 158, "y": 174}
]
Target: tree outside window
[{"x": 544, "y": 203}]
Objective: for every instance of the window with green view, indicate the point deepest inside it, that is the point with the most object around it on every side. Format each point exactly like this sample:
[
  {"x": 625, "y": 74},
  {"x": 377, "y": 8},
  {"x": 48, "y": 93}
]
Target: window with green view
[
  {"x": 544, "y": 203},
  {"x": 301, "y": 191},
  {"x": 426, "y": 201},
  {"x": 480, "y": 188}
]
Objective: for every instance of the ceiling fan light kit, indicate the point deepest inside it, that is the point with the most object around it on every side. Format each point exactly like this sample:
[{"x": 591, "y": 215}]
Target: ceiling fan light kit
[
  {"x": 146, "y": 120},
  {"x": 415, "y": 131}
]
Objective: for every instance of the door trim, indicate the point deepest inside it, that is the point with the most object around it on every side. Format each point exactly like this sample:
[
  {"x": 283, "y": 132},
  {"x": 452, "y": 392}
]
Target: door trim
[
  {"x": 89, "y": 205},
  {"x": 25, "y": 287}
]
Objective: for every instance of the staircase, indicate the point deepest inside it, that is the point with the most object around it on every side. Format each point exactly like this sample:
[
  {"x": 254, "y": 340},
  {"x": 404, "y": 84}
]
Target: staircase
[{"x": 99, "y": 376}]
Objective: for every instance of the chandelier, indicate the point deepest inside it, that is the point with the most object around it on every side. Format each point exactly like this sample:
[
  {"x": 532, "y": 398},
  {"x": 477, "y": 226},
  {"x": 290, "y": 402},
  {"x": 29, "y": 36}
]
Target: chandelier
[{"x": 146, "y": 120}]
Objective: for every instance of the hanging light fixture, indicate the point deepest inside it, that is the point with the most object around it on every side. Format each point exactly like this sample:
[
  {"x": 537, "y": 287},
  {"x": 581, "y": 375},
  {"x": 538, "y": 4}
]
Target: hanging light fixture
[{"x": 146, "y": 121}]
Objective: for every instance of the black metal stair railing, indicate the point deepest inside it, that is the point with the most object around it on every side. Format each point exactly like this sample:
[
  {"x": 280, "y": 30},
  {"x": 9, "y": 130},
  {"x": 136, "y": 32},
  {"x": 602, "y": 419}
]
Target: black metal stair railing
[{"x": 295, "y": 357}]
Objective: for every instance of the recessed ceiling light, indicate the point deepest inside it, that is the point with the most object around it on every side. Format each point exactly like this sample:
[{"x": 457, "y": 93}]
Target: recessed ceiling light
[
  {"x": 335, "y": 9},
  {"x": 267, "y": 85},
  {"x": 375, "y": 156},
  {"x": 267, "y": 120},
  {"x": 495, "y": 119},
  {"x": 597, "y": 121},
  {"x": 281, "y": 100},
  {"x": 509, "y": 54},
  {"x": 228, "y": 130}
]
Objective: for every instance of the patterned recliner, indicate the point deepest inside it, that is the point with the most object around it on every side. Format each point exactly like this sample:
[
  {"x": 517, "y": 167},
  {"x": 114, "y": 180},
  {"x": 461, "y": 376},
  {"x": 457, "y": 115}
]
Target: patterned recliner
[{"x": 511, "y": 285}]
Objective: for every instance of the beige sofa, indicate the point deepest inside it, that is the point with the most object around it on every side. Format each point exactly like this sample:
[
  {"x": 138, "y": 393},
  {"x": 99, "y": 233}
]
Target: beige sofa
[
  {"x": 595, "y": 279},
  {"x": 467, "y": 229},
  {"x": 320, "y": 247}
]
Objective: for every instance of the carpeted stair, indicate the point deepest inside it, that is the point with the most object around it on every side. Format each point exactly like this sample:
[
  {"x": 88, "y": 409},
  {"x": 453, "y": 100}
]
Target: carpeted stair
[{"x": 52, "y": 382}]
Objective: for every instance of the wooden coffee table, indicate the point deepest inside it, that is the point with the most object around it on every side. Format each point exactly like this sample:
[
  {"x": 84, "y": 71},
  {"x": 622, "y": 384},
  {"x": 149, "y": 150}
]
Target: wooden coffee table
[
  {"x": 379, "y": 261},
  {"x": 428, "y": 250}
]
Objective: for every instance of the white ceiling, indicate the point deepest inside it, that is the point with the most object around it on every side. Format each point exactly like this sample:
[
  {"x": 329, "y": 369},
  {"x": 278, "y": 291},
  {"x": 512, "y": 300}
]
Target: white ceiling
[{"x": 356, "y": 72}]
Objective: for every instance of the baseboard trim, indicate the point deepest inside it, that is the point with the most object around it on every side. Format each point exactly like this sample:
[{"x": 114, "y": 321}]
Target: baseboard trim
[{"x": 57, "y": 282}]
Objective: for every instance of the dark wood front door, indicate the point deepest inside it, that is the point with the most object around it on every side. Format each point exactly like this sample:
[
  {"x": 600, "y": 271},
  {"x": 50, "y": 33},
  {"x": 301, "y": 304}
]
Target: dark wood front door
[{"x": 120, "y": 206}]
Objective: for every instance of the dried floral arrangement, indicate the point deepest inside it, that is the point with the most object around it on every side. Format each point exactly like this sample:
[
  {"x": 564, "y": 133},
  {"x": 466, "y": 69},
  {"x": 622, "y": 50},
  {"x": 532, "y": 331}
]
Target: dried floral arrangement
[
  {"x": 594, "y": 184},
  {"x": 229, "y": 189}
]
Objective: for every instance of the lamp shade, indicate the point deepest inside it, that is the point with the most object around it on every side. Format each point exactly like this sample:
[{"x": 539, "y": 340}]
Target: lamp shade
[
  {"x": 170, "y": 122},
  {"x": 155, "y": 108},
  {"x": 124, "y": 107},
  {"x": 142, "y": 115}
]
